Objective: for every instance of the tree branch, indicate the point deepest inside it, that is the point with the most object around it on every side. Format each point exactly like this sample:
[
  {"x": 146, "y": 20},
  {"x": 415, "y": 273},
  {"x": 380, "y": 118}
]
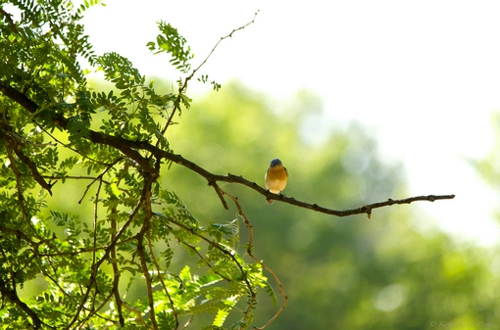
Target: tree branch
[
  {"x": 231, "y": 178},
  {"x": 9, "y": 20},
  {"x": 11, "y": 294},
  {"x": 129, "y": 148},
  {"x": 146, "y": 195},
  {"x": 113, "y": 141},
  {"x": 28, "y": 162},
  {"x": 159, "y": 274}
]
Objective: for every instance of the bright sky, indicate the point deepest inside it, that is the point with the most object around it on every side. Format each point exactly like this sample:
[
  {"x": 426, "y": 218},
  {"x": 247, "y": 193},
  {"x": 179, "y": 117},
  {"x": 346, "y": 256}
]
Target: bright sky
[{"x": 424, "y": 76}]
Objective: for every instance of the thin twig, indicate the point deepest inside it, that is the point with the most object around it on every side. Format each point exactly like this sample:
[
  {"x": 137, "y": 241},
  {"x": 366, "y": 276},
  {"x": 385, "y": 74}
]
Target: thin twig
[
  {"x": 183, "y": 88},
  {"x": 146, "y": 195},
  {"x": 250, "y": 254},
  {"x": 20, "y": 193},
  {"x": 99, "y": 178},
  {"x": 67, "y": 146},
  {"x": 17, "y": 174},
  {"x": 224, "y": 251},
  {"x": 83, "y": 177},
  {"x": 138, "y": 313},
  {"x": 209, "y": 265},
  {"x": 94, "y": 243},
  {"x": 220, "y": 193},
  {"x": 160, "y": 278},
  {"x": 116, "y": 272}
]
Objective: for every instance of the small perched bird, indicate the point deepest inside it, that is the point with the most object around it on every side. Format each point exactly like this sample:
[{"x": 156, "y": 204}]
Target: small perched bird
[{"x": 276, "y": 177}]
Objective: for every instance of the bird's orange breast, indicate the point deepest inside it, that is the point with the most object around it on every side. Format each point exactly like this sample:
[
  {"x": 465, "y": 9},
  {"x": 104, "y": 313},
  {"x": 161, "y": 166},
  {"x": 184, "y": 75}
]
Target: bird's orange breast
[{"x": 276, "y": 179}]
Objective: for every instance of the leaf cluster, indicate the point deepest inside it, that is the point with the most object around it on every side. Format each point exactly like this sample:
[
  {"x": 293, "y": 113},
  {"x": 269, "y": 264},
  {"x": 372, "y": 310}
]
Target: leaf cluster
[
  {"x": 171, "y": 42},
  {"x": 59, "y": 137}
]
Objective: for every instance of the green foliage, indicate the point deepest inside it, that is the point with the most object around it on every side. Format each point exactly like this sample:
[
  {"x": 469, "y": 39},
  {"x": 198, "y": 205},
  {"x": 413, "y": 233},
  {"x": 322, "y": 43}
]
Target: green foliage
[
  {"x": 110, "y": 228},
  {"x": 171, "y": 42}
]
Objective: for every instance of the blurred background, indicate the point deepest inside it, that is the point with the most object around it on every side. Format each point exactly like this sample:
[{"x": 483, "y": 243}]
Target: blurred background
[{"x": 362, "y": 101}]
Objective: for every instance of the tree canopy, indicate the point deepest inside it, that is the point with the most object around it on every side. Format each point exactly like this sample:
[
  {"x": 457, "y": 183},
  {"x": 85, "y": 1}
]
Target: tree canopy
[{"x": 133, "y": 225}]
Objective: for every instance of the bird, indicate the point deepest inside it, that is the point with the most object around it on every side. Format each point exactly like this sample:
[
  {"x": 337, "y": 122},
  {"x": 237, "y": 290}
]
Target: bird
[{"x": 276, "y": 177}]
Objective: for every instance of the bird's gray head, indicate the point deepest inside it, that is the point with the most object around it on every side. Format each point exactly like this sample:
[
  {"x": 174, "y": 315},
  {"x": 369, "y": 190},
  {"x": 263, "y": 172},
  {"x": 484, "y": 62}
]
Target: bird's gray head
[{"x": 275, "y": 162}]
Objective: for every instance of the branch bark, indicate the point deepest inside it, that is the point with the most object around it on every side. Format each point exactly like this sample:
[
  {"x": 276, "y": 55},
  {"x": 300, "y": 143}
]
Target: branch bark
[
  {"x": 11, "y": 294},
  {"x": 130, "y": 149}
]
